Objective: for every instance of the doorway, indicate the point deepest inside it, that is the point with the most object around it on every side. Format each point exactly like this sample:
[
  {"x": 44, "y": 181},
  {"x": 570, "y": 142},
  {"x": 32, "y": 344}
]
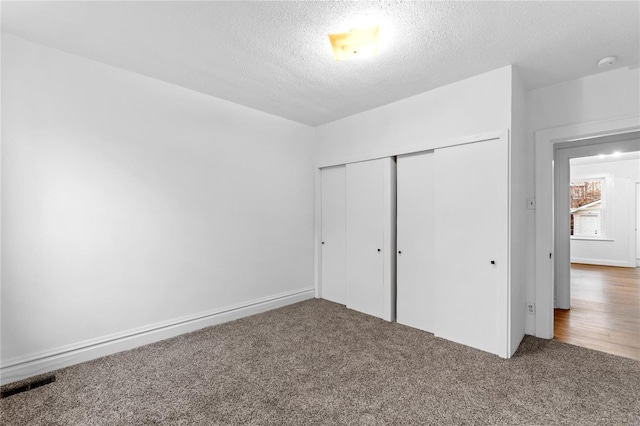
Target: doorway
[
  {"x": 603, "y": 312},
  {"x": 546, "y": 253},
  {"x": 604, "y": 223}
]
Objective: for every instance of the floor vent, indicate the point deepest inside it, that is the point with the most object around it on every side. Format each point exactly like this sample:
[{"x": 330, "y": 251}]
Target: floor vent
[{"x": 28, "y": 386}]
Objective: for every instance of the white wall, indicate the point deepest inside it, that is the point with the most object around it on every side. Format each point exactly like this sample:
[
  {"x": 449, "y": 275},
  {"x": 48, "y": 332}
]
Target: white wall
[
  {"x": 603, "y": 96},
  {"x": 478, "y": 105},
  {"x": 129, "y": 202},
  {"x": 617, "y": 249}
]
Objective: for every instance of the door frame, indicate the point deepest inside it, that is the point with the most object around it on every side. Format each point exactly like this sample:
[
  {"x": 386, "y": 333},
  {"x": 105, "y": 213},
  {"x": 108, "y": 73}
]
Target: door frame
[
  {"x": 637, "y": 223},
  {"x": 624, "y": 142},
  {"x": 546, "y": 141}
]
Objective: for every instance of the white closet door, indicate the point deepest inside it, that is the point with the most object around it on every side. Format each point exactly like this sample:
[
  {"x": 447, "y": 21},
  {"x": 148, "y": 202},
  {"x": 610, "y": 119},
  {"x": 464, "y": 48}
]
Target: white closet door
[
  {"x": 333, "y": 276},
  {"x": 365, "y": 239},
  {"x": 415, "y": 261},
  {"x": 471, "y": 232}
]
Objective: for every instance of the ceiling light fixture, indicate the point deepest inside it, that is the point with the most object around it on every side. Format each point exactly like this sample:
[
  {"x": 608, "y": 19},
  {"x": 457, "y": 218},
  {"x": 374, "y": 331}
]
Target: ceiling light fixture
[
  {"x": 607, "y": 62},
  {"x": 357, "y": 43}
]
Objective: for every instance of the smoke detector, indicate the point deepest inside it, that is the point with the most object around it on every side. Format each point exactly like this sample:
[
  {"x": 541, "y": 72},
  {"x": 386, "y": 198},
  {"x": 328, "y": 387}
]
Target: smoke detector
[{"x": 607, "y": 62}]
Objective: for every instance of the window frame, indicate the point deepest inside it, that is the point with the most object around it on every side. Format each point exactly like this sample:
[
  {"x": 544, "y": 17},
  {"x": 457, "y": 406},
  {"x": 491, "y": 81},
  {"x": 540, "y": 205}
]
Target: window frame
[{"x": 605, "y": 189}]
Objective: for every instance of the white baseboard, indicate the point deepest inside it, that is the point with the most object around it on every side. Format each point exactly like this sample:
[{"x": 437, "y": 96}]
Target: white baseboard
[
  {"x": 603, "y": 262},
  {"x": 22, "y": 368}
]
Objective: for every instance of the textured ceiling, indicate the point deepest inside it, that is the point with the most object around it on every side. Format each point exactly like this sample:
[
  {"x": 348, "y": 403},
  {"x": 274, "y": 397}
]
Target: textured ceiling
[{"x": 276, "y": 57}]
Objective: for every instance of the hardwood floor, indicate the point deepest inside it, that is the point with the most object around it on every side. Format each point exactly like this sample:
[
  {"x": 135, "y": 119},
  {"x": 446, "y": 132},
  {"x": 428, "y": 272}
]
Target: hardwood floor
[{"x": 605, "y": 310}]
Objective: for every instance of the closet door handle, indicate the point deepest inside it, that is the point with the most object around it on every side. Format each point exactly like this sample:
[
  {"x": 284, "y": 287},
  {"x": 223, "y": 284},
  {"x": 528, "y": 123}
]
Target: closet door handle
[
  {"x": 399, "y": 251},
  {"x": 493, "y": 262},
  {"x": 378, "y": 250}
]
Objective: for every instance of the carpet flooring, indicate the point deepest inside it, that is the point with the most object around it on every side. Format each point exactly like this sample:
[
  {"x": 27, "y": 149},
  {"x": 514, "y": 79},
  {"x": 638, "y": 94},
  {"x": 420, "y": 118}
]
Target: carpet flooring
[{"x": 318, "y": 363}]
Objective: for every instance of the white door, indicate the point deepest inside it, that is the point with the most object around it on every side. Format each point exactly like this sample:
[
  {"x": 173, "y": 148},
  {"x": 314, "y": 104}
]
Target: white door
[
  {"x": 471, "y": 232},
  {"x": 562, "y": 226},
  {"x": 415, "y": 257},
  {"x": 365, "y": 240},
  {"x": 333, "y": 272}
]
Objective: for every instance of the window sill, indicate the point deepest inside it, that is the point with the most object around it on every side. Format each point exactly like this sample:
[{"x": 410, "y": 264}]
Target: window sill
[{"x": 591, "y": 239}]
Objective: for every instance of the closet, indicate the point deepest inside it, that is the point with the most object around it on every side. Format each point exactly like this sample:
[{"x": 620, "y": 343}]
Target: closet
[{"x": 454, "y": 245}]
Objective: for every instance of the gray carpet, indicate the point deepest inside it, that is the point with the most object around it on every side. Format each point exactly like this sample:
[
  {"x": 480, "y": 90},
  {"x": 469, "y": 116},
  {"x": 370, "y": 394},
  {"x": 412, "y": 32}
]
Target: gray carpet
[{"x": 316, "y": 362}]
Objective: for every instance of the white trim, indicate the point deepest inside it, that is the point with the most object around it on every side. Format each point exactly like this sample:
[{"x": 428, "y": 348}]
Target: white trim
[
  {"x": 574, "y": 238},
  {"x": 545, "y": 141},
  {"x": 631, "y": 219},
  {"x": 24, "y": 367},
  {"x": 506, "y": 302},
  {"x": 635, "y": 220},
  {"x": 317, "y": 235},
  {"x": 427, "y": 145},
  {"x": 603, "y": 262}
]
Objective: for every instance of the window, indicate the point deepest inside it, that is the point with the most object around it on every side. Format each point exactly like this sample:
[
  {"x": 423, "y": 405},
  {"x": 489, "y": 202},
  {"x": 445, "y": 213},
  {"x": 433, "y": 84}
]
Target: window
[{"x": 587, "y": 208}]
